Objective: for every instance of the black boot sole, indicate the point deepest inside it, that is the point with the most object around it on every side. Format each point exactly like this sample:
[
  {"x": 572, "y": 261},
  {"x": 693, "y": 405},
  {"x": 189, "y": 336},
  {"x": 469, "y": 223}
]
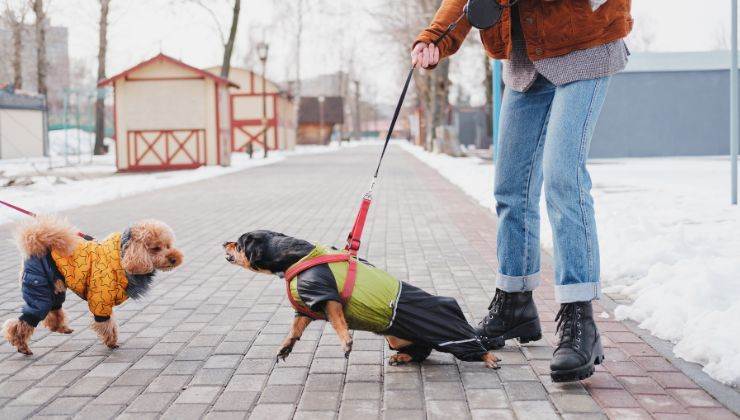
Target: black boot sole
[
  {"x": 523, "y": 333},
  {"x": 582, "y": 372}
]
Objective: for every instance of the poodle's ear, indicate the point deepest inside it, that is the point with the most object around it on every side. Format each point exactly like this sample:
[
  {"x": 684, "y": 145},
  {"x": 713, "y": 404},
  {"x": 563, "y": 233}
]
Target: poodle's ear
[{"x": 136, "y": 258}]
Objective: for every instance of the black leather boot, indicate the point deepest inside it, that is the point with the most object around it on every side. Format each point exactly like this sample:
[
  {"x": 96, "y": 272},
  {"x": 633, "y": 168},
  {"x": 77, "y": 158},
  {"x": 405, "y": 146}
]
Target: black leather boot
[
  {"x": 580, "y": 344},
  {"x": 511, "y": 315}
]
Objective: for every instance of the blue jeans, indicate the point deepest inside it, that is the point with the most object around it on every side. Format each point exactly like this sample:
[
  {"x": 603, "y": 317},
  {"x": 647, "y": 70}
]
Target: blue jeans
[{"x": 545, "y": 138}]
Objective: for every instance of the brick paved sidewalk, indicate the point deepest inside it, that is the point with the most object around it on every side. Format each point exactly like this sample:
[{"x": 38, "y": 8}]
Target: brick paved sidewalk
[{"x": 203, "y": 342}]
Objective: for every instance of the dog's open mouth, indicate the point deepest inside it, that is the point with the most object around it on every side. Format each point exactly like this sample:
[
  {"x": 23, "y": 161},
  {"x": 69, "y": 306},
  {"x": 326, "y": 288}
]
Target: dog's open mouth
[{"x": 230, "y": 258}]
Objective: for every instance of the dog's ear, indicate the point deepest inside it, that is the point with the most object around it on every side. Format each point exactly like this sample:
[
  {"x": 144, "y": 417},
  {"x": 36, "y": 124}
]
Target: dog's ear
[
  {"x": 252, "y": 245},
  {"x": 136, "y": 258}
]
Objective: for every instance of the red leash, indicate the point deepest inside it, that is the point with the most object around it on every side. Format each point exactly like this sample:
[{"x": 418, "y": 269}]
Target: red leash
[{"x": 28, "y": 213}]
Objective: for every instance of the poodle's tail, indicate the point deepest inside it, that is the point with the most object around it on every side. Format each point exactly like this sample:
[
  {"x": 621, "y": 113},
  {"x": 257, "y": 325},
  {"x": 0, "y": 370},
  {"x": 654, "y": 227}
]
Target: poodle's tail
[{"x": 43, "y": 233}]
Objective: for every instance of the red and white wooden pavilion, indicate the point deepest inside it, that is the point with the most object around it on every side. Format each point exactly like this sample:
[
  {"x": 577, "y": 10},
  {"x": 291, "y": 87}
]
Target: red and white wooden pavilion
[
  {"x": 255, "y": 119},
  {"x": 170, "y": 115}
]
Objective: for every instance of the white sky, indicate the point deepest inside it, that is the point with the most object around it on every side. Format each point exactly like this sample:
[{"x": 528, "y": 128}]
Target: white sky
[{"x": 142, "y": 28}]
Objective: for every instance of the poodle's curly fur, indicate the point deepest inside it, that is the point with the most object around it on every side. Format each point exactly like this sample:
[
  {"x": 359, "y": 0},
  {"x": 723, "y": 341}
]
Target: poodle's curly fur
[
  {"x": 107, "y": 332},
  {"x": 18, "y": 333},
  {"x": 148, "y": 235},
  {"x": 56, "y": 321},
  {"x": 36, "y": 236}
]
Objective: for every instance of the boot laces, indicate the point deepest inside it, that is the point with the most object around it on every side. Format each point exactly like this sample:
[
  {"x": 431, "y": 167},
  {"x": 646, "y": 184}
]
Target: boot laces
[
  {"x": 495, "y": 307},
  {"x": 570, "y": 325}
]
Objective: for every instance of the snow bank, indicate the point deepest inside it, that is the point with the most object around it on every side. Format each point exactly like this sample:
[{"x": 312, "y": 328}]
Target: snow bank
[
  {"x": 73, "y": 142},
  {"x": 669, "y": 241}
]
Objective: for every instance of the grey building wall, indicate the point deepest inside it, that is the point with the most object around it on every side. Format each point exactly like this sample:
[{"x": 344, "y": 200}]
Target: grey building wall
[{"x": 665, "y": 113}]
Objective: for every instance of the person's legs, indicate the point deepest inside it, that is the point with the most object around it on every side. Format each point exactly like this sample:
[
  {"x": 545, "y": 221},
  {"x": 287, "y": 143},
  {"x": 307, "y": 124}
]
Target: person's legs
[
  {"x": 575, "y": 109},
  {"x": 573, "y": 115},
  {"x": 524, "y": 121}
]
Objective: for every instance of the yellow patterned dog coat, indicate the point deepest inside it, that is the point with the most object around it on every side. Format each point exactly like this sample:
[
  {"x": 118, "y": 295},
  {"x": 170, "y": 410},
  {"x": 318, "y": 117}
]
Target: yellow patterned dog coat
[{"x": 95, "y": 274}]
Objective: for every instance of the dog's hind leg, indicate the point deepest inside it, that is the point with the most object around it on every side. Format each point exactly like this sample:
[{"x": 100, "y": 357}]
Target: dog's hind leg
[
  {"x": 335, "y": 312},
  {"x": 56, "y": 320},
  {"x": 407, "y": 351},
  {"x": 18, "y": 333}
]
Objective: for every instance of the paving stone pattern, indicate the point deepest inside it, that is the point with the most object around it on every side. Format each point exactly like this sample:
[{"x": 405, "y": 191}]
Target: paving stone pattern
[{"x": 202, "y": 343}]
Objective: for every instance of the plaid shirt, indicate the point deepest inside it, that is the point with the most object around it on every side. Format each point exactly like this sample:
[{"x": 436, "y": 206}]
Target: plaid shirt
[{"x": 519, "y": 72}]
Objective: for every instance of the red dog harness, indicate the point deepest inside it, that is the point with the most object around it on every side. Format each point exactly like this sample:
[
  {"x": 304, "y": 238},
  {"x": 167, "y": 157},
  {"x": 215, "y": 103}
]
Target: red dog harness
[{"x": 349, "y": 256}]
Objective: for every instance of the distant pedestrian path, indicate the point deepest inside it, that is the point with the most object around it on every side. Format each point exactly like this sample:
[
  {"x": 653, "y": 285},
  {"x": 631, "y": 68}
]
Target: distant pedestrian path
[{"x": 203, "y": 342}]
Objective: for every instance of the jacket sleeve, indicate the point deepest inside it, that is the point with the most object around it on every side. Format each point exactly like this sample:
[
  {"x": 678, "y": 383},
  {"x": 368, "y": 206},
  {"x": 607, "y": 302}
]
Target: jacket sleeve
[
  {"x": 101, "y": 296},
  {"x": 447, "y": 13}
]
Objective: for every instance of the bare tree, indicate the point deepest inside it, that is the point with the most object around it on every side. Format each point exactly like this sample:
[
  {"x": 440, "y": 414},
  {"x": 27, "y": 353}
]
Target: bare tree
[
  {"x": 100, "y": 148},
  {"x": 213, "y": 9},
  {"x": 42, "y": 64},
  {"x": 229, "y": 45},
  {"x": 401, "y": 25},
  {"x": 488, "y": 83},
  {"x": 15, "y": 18}
]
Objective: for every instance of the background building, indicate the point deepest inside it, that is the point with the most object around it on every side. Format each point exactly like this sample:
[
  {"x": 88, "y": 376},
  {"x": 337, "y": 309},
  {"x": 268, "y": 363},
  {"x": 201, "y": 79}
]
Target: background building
[
  {"x": 667, "y": 104},
  {"x": 22, "y": 126},
  {"x": 246, "y": 105},
  {"x": 318, "y": 119},
  {"x": 169, "y": 115}
]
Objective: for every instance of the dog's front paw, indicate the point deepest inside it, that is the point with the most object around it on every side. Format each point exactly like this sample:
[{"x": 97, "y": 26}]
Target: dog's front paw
[
  {"x": 112, "y": 346},
  {"x": 347, "y": 348},
  {"x": 284, "y": 352},
  {"x": 25, "y": 350}
]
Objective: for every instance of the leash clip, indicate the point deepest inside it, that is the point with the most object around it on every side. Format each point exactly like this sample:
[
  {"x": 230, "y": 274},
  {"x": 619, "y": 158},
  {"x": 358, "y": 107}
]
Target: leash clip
[{"x": 369, "y": 194}]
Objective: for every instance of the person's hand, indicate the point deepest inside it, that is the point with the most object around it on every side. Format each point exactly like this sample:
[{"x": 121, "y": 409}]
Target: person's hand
[{"x": 425, "y": 55}]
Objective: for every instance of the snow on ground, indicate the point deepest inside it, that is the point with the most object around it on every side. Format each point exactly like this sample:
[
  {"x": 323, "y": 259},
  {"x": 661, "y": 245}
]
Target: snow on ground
[
  {"x": 56, "y": 188},
  {"x": 669, "y": 240}
]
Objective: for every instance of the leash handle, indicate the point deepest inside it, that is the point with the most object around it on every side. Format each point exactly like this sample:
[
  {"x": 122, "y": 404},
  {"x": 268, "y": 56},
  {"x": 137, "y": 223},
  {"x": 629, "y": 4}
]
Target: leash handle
[
  {"x": 32, "y": 214},
  {"x": 405, "y": 89}
]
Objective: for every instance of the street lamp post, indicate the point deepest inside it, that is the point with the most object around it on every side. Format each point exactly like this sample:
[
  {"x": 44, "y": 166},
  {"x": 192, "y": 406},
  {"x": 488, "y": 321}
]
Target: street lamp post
[
  {"x": 262, "y": 50},
  {"x": 321, "y": 119},
  {"x": 734, "y": 105}
]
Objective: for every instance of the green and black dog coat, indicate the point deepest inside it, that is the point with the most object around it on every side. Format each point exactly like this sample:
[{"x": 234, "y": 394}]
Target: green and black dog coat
[{"x": 382, "y": 304}]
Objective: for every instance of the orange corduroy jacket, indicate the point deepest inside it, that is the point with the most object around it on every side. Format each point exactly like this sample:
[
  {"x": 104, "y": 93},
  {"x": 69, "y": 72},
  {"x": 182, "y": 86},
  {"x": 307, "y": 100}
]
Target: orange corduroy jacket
[{"x": 551, "y": 27}]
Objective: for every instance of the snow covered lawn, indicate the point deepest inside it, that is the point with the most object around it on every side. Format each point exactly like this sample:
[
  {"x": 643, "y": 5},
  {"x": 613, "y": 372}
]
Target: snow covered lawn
[{"x": 670, "y": 242}]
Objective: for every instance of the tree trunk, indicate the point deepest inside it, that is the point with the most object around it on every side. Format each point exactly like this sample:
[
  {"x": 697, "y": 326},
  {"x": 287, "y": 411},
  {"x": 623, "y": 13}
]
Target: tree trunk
[
  {"x": 229, "y": 46},
  {"x": 100, "y": 148},
  {"x": 489, "y": 97},
  {"x": 41, "y": 63},
  {"x": 297, "y": 61},
  {"x": 17, "y": 28}
]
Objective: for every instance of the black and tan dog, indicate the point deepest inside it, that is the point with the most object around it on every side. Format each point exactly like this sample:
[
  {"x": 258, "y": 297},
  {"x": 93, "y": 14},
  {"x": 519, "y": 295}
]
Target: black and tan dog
[{"x": 413, "y": 321}]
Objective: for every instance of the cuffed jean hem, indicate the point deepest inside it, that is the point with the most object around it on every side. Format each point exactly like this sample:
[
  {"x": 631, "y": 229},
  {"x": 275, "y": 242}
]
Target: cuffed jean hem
[
  {"x": 577, "y": 292},
  {"x": 512, "y": 284}
]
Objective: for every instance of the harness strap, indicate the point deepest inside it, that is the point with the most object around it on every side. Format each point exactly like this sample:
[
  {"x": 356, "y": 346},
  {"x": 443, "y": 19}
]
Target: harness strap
[
  {"x": 355, "y": 235},
  {"x": 344, "y": 295}
]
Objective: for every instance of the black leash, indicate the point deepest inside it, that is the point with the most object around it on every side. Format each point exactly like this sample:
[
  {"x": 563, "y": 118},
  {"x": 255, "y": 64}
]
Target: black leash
[{"x": 388, "y": 135}]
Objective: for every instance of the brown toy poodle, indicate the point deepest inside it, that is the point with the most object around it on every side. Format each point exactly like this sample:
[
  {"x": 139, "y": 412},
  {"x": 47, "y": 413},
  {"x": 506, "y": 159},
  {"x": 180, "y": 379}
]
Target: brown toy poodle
[{"x": 104, "y": 273}]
